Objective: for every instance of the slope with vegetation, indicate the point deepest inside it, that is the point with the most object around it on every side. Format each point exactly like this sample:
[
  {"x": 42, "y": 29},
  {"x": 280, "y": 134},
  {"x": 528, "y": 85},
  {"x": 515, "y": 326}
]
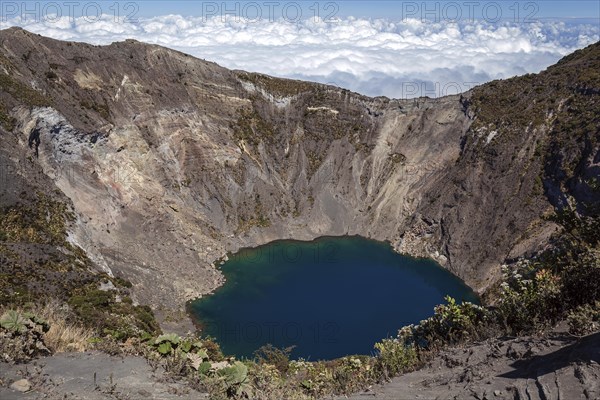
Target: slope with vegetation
[{"x": 122, "y": 183}]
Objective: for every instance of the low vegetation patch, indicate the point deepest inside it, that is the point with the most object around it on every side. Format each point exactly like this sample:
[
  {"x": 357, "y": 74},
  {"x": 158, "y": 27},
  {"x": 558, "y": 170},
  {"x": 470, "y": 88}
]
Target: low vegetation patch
[
  {"x": 44, "y": 277},
  {"x": 21, "y": 336},
  {"x": 584, "y": 319},
  {"x": 252, "y": 128},
  {"x": 539, "y": 292},
  {"x": 277, "y": 86},
  {"x": 112, "y": 312},
  {"x": 23, "y": 93}
]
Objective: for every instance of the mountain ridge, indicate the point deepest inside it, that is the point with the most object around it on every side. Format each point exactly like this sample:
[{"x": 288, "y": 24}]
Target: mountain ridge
[{"x": 171, "y": 162}]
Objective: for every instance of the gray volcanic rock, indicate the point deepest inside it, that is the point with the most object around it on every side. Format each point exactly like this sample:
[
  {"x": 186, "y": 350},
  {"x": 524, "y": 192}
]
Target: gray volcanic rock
[
  {"x": 555, "y": 366},
  {"x": 170, "y": 162},
  {"x": 92, "y": 376}
]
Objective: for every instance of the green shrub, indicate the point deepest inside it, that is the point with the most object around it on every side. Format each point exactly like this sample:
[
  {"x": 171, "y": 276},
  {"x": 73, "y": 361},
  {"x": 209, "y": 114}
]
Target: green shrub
[
  {"x": 584, "y": 319},
  {"x": 266, "y": 382},
  {"x": 530, "y": 297},
  {"x": 539, "y": 292},
  {"x": 213, "y": 349},
  {"x": 580, "y": 276},
  {"x": 14, "y": 321},
  {"x": 121, "y": 320},
  {"x": 18, "y": 322},
  {"x": 21, "y": 336},
  {"x": 450, "y": 324},
  {"x": 395, "y": 357},
  {"x": 235, "y": 378},
  {"x": 279, "y": 358},
  {"x": 353, "y": 373},
  {"x": 172, "y": 343}
]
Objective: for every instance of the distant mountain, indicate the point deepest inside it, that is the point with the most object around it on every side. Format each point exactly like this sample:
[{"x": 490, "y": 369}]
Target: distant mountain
[{"x": 167, "y": 162}]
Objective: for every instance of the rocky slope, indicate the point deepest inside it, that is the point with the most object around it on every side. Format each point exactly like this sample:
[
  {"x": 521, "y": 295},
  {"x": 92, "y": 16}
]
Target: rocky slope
[
  {"x": 170, "y": 162},
  {"x": 555, "y": 366}
]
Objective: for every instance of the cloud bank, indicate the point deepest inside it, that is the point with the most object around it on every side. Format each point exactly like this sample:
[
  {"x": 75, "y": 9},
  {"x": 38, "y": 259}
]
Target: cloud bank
[{"x": 371, "y": 56}]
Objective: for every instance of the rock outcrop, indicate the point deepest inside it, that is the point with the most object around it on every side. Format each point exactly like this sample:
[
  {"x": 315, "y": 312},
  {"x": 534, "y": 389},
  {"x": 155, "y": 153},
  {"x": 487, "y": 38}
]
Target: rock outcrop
[{"x": 556, "y": 365}]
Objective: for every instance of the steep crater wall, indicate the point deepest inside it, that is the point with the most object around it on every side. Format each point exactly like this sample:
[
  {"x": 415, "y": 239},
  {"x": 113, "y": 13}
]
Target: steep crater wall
[{"x": 172, "y": 161}]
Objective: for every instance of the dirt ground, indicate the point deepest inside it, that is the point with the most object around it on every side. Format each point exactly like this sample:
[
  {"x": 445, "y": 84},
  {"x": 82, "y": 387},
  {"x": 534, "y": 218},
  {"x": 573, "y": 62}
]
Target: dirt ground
[{"x": 93, "y": 376}]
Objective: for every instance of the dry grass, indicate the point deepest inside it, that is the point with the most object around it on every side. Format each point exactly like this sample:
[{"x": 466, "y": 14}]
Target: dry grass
[{"x": 63, "y": 335}]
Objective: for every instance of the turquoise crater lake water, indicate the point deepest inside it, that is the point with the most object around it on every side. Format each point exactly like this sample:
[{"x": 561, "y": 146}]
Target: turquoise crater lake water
[{"x": 330, "y": 297}]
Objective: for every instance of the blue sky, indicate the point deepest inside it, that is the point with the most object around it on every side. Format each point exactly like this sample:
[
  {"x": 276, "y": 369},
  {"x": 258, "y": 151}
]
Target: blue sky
[{"x": 392, "y": 8}]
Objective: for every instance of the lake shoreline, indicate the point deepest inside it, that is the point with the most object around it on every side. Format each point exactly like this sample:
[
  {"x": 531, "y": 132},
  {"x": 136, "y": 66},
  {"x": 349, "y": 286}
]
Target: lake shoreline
[{"x": 264, "y": 253}]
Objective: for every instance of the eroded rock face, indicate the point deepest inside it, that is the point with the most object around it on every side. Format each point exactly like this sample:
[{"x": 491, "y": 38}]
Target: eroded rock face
[{"x": 171, "y": 161}]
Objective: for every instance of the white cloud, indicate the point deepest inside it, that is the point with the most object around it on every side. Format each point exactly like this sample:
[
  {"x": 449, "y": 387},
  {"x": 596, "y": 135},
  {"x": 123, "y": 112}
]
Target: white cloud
[{"x": 374, "y": 57}]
